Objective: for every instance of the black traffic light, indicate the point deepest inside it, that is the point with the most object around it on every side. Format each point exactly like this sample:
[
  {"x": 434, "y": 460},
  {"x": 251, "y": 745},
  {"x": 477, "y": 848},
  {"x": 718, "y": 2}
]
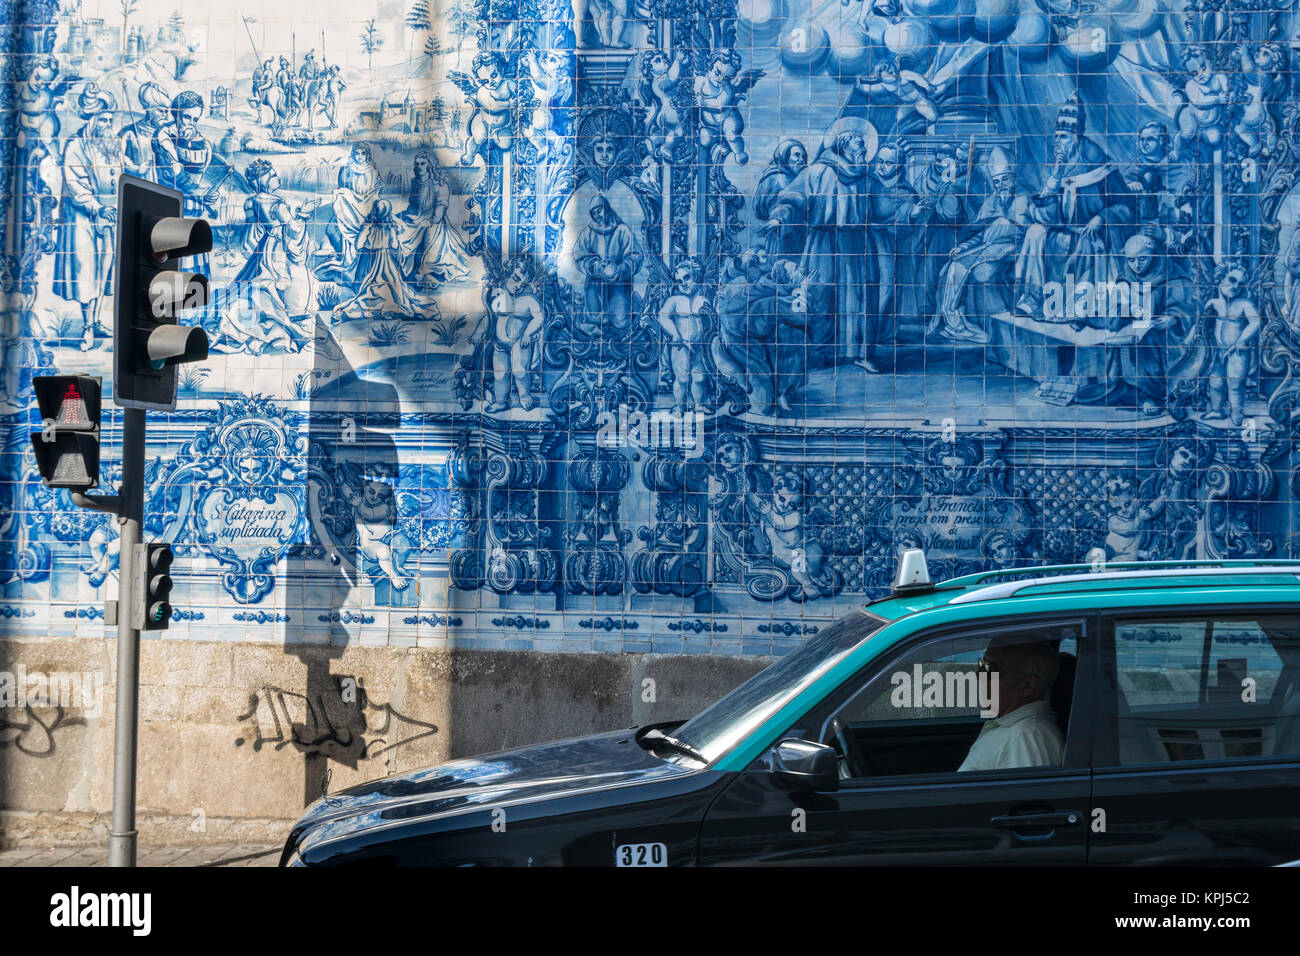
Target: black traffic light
[
  {"x": 67, "y": 446},
  {"x": 148, "y": 344},
  {"x": 154, "y": 608}
]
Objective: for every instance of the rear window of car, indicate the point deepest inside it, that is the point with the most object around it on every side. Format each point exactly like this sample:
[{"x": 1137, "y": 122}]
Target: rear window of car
[{"x": 1217, "y": 686}]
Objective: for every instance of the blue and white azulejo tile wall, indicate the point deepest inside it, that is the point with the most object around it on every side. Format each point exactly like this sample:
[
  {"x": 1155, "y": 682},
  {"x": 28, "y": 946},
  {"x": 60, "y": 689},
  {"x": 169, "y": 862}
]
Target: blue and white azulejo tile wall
[{"x": 658, "y": 325}]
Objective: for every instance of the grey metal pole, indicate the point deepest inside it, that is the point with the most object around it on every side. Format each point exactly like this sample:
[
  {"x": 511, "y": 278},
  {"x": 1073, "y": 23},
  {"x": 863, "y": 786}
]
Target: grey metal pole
[{"x": 122, "y": 837}]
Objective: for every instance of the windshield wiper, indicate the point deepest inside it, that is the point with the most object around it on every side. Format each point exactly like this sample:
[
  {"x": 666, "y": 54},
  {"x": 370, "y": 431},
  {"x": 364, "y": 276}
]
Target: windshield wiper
[{"x": 654, "y": 737}]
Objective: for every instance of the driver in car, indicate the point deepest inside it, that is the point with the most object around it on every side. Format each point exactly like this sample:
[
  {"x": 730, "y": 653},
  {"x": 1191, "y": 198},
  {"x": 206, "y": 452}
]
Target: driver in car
[{"x": 1025, "y": 732}]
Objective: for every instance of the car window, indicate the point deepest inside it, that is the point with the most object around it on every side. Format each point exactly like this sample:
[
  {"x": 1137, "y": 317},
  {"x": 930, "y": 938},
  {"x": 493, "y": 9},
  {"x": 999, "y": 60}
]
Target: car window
[
  {"x": 718, "y": 728},
  {"x": 983, "y": 700},
  {"x": 1213, "y": 687}
]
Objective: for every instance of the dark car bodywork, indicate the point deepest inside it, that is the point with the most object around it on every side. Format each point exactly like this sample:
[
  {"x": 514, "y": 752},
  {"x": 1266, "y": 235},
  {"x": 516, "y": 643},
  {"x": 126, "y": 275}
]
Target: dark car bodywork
[
  {"x": 765, "y": 796},
  {"x": 570, "y": 803}
]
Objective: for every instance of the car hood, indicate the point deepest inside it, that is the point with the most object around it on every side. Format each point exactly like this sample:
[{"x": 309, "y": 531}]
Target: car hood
[{"x": 544, "y": 770}]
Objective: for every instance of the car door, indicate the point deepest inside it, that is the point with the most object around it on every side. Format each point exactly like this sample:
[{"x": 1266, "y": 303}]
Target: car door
[
  {"x": 902, "y": 799},
  {"x": 1198, "y": 738}
]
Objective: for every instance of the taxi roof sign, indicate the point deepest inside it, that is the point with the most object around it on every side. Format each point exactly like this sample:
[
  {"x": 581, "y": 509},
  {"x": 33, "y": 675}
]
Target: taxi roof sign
[{"x": 913, "y": 573}]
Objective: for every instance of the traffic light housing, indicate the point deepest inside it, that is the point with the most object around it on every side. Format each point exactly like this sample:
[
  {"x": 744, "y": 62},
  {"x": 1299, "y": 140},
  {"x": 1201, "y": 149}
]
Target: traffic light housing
[
  {"x": 67, "y": 446},
  {"x": 148, "y": 343},
  {"x": 153, "y": 607}
]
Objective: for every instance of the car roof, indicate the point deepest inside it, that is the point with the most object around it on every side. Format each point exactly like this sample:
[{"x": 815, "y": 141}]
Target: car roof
[{"x": 1017, "y": 588}]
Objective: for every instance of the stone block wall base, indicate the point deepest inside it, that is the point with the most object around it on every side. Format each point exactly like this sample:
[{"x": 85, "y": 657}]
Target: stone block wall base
[{"x": 236, "y": 738}]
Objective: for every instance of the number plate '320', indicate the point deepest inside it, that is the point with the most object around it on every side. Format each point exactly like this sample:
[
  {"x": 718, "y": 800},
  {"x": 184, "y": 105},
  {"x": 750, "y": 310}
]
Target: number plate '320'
[{"x": 641, "y": 854}]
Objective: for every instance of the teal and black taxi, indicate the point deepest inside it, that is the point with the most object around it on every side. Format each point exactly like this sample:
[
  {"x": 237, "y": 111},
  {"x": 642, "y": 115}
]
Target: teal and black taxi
[{"x": 1130, "y": 714}]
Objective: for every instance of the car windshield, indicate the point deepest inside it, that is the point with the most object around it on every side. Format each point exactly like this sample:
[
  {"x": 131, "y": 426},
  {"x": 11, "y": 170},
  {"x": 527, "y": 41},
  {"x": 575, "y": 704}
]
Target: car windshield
[{"x": 716, "y": 730}]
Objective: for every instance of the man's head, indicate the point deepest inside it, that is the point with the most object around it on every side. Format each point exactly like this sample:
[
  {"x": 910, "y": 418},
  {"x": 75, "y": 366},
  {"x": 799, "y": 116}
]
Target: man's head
[
  {"x": 97, "y": 108},
  {"x": 1140, "y": 253},
  {"x": 155, "y": 102},
  {"x": 961, "y": 153},
  {"x": 187, "y": 110},
  {"x": 1025, "y": 669},
  {"x": 943, "y": 164},
  {"x": 1070, "y": 127},
  {"x": 797, "y": 157},
  {"x": 888, "y": 162},
  {"x": 1002, "y": 173},
  {"x": 1153, "y": 141},
  {"x": 790, "y": 155},
  {"x": 602, "y": 213},
  {"x": 851, "y": 146}
]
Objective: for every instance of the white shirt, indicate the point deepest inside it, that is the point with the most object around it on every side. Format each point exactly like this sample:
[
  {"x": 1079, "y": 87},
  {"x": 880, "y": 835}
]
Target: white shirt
[{"x": 1026, "y": 737}]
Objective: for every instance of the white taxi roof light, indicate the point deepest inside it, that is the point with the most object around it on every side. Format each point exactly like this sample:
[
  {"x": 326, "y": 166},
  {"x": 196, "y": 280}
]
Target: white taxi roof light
[{"x": 913, "y": 574}]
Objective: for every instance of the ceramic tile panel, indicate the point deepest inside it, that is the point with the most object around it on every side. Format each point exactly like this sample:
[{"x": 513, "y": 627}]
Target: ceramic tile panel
[{"x": 657, "y": 325}]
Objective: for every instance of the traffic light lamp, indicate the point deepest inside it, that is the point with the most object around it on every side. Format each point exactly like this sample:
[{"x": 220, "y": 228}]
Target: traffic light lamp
[
  {"x": 67, "y": 446},
  {"x": 148, "y": 344},
  {"x": 154, "y": 608}
]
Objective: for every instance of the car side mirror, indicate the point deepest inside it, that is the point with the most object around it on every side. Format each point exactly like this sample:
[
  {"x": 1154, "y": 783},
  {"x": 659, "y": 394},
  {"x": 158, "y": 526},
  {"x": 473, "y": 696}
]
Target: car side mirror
[{"x": 802, "y": 765}]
